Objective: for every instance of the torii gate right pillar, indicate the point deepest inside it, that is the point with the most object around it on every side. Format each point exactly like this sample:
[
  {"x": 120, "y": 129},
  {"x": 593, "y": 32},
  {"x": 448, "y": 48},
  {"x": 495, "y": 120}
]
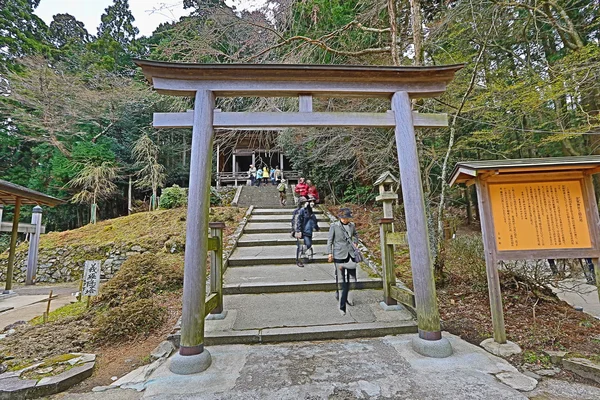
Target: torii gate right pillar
[{"x": 430, "y": 341}]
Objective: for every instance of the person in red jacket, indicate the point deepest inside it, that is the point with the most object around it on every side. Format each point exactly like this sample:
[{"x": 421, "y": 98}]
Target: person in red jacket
[
  {"x": 301, "y": 188},
  {"x": 312, "y": 191}
]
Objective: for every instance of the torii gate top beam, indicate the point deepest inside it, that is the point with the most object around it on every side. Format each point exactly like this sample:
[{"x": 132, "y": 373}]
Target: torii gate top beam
[{"x": 282, "y": 80}]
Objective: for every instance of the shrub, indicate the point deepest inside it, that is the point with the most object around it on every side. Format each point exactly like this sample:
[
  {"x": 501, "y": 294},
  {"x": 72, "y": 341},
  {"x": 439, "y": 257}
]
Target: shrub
[
  {"x": 141, "y": 277},
  {"x": 173, "y": 197},
  {"x": 129, "y": 320},
  {"x": 465, "y": 259}
]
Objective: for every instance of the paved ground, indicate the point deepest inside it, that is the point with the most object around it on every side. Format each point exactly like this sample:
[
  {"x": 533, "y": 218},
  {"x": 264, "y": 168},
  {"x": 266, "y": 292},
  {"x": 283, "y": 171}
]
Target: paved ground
[
  {"x": 381, "y": 368},
  {"x": 30, "y": 302},
  {"x": 580, "y": 294}
]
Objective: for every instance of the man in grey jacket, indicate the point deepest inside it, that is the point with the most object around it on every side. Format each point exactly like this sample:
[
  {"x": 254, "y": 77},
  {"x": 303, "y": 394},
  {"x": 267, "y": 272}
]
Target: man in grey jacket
[{"x": 340, "y": 244}]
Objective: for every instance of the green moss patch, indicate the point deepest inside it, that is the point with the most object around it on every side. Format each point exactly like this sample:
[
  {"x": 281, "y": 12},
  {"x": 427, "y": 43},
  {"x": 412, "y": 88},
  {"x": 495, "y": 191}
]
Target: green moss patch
[{"x": 69, "y": 310}]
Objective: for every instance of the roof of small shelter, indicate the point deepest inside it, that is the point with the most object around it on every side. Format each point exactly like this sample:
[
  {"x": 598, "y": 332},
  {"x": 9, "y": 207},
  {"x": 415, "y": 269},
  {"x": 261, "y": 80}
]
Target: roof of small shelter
[
  {"x": 468, "y": 170},
  {"x": 308, "y": 73},
  {"x": 384, "y": 176},
  {"x": 10, "y": 191}
]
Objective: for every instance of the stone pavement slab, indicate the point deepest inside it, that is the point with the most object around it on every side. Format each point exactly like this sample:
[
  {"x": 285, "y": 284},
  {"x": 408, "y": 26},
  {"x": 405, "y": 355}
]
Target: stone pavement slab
[
  {"x": 381, "y": 368},
  {"x": 273, "y": 211},
  {"x": 303, "y": 309}
]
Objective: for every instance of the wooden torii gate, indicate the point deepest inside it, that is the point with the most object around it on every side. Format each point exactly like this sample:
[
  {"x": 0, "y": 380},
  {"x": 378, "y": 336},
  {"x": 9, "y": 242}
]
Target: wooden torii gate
[{"x": 205, "y": 82}]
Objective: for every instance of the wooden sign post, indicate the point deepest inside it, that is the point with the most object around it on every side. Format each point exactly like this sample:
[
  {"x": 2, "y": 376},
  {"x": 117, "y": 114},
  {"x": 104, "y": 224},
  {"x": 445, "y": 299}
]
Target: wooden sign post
[{"x": 533, "y": 209}]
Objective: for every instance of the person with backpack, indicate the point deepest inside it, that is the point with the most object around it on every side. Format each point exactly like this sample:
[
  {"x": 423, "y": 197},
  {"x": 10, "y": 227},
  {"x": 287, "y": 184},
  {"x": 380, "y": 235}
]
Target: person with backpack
[
  {"x": 272, "y": 176},
  {"x": 296, "y": 230},
  {"x": 341, "y": 244},
  {"x": 306, "y": 224},
  {"x": 282, "y": 189}
]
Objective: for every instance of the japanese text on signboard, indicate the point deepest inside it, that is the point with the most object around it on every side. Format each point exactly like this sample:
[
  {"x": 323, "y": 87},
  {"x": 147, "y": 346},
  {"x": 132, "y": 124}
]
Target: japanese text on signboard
[
  {"x": 546, "y": 215},
  {"x": 91, "y": 278}
]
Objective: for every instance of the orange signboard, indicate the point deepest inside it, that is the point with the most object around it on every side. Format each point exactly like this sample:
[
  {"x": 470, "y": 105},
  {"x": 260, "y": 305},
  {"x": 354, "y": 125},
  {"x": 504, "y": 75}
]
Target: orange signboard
[{"x": 537, "y": 216}]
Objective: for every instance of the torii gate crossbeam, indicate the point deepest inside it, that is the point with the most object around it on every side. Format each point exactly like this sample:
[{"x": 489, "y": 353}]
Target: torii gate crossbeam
[{"x": 207, "y": 81}]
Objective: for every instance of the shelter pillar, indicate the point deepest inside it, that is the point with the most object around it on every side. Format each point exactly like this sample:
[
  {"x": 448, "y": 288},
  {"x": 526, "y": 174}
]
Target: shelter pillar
[
  {"x": 13, "y": 244},
  {"x": 1, "y": 212},
  {"x": 218, "y": 169},
  {"x": 193, "y": 357},
  {"x": 234, "y": 169},
  {"x": 418, "y": 240},
  {"x": 34, "y": 244}
]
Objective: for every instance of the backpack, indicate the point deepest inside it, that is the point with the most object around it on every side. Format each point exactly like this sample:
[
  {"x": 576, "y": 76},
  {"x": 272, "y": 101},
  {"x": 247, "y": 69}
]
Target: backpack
[
  {"x": 295, "y": 220},
  {"x": 281, "y": 187}
]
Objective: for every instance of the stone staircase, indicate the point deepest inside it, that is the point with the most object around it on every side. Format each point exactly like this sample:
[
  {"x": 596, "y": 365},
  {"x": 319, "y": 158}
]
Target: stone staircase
[
  {"x": 265, "y": 196},
  {"x": 269, "y": 299}
]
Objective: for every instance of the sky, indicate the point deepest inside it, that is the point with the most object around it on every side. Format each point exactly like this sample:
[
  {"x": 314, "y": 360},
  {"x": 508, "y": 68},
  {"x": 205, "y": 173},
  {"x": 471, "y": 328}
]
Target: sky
[{"x": 148, "y": 13}]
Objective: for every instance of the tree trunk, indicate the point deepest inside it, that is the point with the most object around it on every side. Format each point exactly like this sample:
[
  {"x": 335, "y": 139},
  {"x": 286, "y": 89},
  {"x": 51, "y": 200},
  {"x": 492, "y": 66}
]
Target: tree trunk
[{"x": 417, "y": 30}]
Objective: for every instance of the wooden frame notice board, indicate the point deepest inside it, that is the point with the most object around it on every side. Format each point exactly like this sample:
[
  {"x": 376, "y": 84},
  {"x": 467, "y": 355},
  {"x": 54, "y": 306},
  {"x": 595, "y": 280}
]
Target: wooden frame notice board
[{"x": 540, "y": 215}]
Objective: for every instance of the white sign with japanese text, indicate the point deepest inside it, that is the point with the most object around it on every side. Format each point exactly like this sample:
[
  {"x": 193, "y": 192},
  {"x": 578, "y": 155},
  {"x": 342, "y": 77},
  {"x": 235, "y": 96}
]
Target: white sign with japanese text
[{"x": 91, "y": 278}]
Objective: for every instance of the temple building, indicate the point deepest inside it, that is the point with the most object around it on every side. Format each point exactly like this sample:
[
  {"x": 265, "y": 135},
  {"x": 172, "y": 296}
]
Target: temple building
[{"x": 237, "y": 150}]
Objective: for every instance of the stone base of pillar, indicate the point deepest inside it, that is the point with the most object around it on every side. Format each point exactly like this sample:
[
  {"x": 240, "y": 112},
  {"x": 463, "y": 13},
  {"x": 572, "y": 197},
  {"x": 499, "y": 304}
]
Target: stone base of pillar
[
  {"x": 217, "y": 316},
  {"x": 392, "y": 307},
  {"x": 187, "y": 365},
  {"x": 432, "y": 348}
]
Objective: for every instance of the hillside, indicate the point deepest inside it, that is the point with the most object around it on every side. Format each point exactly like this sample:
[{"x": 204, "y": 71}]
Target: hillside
[
  {"x": 62, "y": 254},
  {"x": 135, "y": 309}
]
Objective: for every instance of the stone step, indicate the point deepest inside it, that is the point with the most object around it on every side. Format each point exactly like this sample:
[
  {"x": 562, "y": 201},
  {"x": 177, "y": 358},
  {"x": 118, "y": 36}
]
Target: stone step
[
  {"x": 277, "y": 239},
  {"x": 280, "y": 217},
  {"x": 285, "y": 317},
  {"x": 263, "y": 196},
  {"x": 261, "y": 255},
  {"x": 275, "y": 211},
  {"x": 280, "y": 278},
  {"x": 276, "y": 227}
]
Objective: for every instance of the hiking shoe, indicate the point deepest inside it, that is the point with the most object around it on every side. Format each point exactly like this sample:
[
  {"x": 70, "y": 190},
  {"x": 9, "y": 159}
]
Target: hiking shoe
[
  {"x": 300, "y": 264},
  {"x": 342, "y": 312}
]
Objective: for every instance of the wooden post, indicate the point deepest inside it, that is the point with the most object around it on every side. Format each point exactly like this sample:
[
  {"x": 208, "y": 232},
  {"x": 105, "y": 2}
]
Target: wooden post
[
  {"x": 491, "y": 264},
  {"x": 416, "y": 222},
  {"x": 194, "y": 281},
  {"x": 13, "y": 245},
  {"x": 129, "y": 198},
  {"x": 216, "y": 265},
  {"x": 47, "y": 313},
  {"x": 387, "y": 261},
  {"x": 468, "y": 201},
  {"x": 218, "y": 170},
  {"x": 1, "y": 212},
  {"x": 34, "y": 244},
  {"x": 596, "y": 263},
  {"x": 234, "y": 169}
]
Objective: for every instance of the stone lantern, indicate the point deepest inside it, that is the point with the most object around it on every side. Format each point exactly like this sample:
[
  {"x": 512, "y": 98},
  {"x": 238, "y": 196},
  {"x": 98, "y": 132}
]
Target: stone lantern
[{"x": 388, "y": 184}]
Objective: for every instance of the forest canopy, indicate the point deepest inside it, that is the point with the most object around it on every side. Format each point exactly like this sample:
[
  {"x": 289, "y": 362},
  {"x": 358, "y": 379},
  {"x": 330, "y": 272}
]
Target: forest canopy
[{"x": 72, "y": 100}]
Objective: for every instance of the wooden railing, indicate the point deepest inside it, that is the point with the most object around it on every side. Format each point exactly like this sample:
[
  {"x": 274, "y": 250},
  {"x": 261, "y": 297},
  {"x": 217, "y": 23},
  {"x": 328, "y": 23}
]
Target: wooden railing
[
  {"x": 214, "y": 301},
  {"x": 243, "y": 176}
]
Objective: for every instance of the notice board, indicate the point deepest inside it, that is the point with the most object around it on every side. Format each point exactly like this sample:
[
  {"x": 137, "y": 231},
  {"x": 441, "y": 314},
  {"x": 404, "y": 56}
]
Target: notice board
[{"x": 539, "y": 215}]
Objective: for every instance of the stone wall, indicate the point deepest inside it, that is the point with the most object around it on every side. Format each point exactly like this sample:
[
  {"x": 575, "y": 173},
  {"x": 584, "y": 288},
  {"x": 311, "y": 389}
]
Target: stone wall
[{"x": 65, "y": 264}]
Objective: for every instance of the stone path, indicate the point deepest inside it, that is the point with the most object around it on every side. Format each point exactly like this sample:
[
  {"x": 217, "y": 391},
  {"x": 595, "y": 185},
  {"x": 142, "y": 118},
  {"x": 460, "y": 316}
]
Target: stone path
[
  {"x": 270, "y": 299},
  {"x": 263, "y": 196}
]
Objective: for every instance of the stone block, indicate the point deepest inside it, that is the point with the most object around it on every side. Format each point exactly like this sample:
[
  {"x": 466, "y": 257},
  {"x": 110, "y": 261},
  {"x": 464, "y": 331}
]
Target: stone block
[
  {"x": 163, "y": 350},
  {"x": 500, "y": 349},
  {"x": 518, "y": 381},
  {"x": 15, "y": 388},
  {"x": 583, "y": 367},
  {"x": 556, "y": 357}
]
